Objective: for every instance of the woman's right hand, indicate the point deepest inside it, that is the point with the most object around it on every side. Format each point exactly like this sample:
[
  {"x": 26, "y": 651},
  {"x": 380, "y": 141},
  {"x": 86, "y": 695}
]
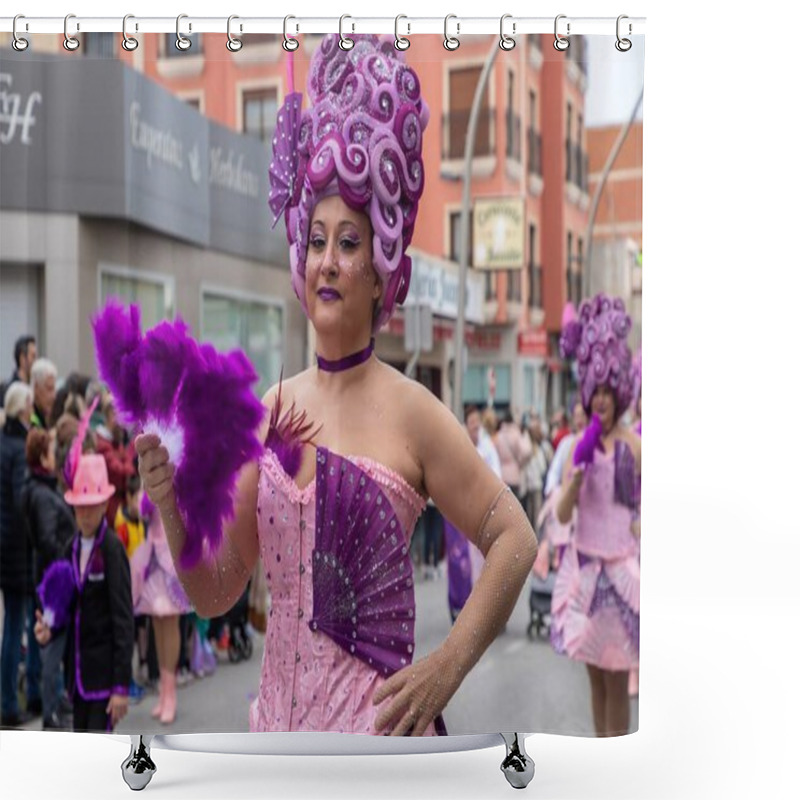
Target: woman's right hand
[
  {"x": 41, "y": 630},
  {"x": 155, "y": 468},
  {"x": 577, "y": 475}
]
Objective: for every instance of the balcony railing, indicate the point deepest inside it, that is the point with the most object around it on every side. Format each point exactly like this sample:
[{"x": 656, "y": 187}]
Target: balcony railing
[
  {"x": 577, "y": 166},
  {"x": 454, "y": 133},
  {"x": 513, "y": 136},
  {"x": 514, "y": 285},
  {"x": 574, "y": 287},
  {"x": 534, "y": 152},
  {"x": 535, "y": 293}
]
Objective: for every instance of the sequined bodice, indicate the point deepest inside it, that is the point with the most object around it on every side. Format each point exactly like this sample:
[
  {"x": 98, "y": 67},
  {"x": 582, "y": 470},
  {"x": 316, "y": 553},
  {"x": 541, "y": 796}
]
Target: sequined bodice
[{"x": 308, "y": 681}]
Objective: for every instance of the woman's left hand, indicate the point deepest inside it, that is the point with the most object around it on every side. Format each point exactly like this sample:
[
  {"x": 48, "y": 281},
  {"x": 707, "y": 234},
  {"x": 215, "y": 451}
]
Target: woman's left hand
[{"x": 419, "y": 694}]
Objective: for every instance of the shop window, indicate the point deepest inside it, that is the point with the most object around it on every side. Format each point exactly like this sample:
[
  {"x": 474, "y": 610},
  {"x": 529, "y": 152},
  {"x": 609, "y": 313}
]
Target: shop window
[
  {"x": 254, "y": 326},
  {"x": 154, "y": 295}
]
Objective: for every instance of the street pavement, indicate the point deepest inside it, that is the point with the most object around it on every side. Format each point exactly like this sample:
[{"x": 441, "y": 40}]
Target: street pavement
[{"x": 517, "y": 685}]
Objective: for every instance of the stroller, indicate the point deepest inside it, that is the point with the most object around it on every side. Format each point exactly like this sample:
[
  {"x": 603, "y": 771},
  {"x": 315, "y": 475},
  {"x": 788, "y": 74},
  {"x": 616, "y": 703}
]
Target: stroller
[
  {"x": 541, "y": 594},
  {"x": 553, "y": 535},
  {"x": 239, "y": 641},
  {"x": 240, "y": 646}
]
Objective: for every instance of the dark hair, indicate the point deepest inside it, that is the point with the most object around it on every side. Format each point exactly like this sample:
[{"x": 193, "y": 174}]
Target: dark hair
[
  {"x": 21, "y": 347},
  {"x": 133, "y": 484},
  {"x": 36, "y": 445},
  {"x": 470, "y": 409}
]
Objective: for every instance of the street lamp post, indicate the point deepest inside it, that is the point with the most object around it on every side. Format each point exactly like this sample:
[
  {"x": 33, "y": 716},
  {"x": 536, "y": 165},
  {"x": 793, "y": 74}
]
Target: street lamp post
[
  {"x": 458, "y": 378},
  {"x": 612, "y": 157}
]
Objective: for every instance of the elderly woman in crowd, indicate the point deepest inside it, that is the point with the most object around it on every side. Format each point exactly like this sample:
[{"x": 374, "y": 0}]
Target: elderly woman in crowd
[{"x": 16, "y": 562}]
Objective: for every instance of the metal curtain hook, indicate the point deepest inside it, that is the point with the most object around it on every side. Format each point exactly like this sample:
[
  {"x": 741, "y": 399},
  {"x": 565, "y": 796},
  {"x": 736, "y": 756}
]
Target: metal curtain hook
[
  {"x": 128, "y": 42},
  {"x": 561, "y": 43},
  {"x": 400, "y": 42},
  {"x": 623, "y": 45},
  {"x": 290, "y": 44},
  {"x": 182, "y": 43},
  {"x": 70, "y": 42},
  {"x": 233, "y": 44},
  {"x": 506, "y": 42},
  {"x": 451, "y": 42},
  {"x": 18, "y": 43},
  {"x": 344, "y": 42}
]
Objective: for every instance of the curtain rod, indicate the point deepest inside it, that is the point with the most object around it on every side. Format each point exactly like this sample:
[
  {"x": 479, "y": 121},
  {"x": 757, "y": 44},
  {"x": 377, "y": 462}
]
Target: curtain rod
[{"x": 404, "y": 25}]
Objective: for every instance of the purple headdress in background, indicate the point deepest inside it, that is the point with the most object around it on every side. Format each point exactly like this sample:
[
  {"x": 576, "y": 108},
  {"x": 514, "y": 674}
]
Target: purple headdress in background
[
  {"x": 591, "y": 441},
  {"x": 56, "y": 592},
  {"x": 598, "y": 340},
  {"x": 199, "y": 402},
  {"x": 361, "y": 138}
]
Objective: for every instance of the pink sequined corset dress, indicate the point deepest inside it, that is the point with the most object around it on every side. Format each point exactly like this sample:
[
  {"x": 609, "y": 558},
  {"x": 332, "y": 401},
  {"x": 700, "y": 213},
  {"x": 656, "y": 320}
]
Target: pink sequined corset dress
[
  {"x": 336, "y": 557},
  {"x": 595, "y": 604}
]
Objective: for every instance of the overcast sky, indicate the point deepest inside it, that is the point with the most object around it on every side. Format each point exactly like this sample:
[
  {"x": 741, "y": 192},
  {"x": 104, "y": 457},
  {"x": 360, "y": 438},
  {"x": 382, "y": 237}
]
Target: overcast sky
[{"x": 614, "y": 80}]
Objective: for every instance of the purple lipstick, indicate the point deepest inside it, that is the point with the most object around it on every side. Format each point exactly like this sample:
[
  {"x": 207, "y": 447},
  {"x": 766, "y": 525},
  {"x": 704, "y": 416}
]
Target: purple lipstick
[{"x": 329, "y": 294}]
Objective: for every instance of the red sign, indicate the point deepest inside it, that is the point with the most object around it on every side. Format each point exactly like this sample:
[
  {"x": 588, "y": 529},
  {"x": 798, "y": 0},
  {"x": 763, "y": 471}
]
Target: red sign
[{"x": 532, "y": 343}]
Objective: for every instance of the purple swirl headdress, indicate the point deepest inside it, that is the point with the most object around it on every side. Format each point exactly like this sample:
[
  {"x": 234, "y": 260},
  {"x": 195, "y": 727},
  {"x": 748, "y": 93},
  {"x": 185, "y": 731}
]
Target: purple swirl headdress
[
  {"x": 361, "y": 138},
  {"x": 597, "y": 339}
]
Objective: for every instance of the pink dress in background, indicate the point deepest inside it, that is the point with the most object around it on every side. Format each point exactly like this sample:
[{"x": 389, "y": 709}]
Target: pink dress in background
[
  {"x": 156, "y": 590},
  {"x": 595, "y": 604},
  {"x": 308, "y": 681}
]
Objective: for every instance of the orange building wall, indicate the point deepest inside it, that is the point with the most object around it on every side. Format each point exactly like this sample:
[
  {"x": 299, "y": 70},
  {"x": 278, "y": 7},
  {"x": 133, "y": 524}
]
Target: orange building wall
[{"x": 619, "y": 212}]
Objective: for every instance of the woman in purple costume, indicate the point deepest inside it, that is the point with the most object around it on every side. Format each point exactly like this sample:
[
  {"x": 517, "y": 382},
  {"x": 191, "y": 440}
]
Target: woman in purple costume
[
  {"x": 595, "y": 603},
  {"x": 330, "y": 506}
]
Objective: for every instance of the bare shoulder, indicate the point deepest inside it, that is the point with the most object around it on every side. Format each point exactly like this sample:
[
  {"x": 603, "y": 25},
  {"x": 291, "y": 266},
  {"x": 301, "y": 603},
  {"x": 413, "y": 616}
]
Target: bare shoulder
[{"x": 288, "y": 387}]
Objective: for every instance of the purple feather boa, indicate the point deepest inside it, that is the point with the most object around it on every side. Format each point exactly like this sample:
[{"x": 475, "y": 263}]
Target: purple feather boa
[
  {"x": 57, "y": 591},
  {"x": 166, "y": 383},
  {"x": 591, "y": 441}
]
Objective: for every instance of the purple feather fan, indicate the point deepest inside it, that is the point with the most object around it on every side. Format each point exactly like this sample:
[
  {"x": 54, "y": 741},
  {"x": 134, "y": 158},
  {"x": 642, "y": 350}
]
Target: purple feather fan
[
  {"x": 118, "y": 341},
  {"x": 56, "y": 592},
  {"x": 362, "y": 578},
  {"x": 174, "y": 387},
  {"x": 591, "y": 441},
  {"x": 287, "y": 434}
]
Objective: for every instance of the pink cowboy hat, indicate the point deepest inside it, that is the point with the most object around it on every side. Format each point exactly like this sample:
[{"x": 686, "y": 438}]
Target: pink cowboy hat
[{"x": 91, "y": 486}]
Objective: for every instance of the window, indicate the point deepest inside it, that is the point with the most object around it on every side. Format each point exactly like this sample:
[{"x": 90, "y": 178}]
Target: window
[
  {"x": 579, "y": 274},
  {"x": 514, "y": 280},
  {"x": 255, "y": 326},
  {"x": 169, "y": 50},
  {"x": 99, "y": 45},
  {"x": 512, "y": 122},
  {"x": 491, "y": 285},
  {"x": 154, "y": 295},
  {"x": 534, "y": 138},
  {"x": 260, "y": 110},
  {"x": 194, "y": 102},
  {"x": 569, "y": 141},
  {"x": 455, "y": 237},
  {"x": 463, "y": 83},
  {"x": 534, "y": 272},
  {"x": 476, "y": 384}
]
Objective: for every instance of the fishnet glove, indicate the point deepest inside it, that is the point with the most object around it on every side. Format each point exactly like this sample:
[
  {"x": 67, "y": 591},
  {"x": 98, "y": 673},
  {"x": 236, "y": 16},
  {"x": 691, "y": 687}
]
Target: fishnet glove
[
  {"x": 421, "y": 691},
  {"x": 217, "y": 582}
]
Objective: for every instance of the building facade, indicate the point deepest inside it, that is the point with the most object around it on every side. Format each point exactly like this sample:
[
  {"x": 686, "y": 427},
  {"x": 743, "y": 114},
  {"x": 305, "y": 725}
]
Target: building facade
[{"x": 530, "y": 155}]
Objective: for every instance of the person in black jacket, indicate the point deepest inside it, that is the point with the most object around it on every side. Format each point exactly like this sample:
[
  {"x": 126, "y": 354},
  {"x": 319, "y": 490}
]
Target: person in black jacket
[
  {"x": 100, "y": 632},
  {"x": 16, "y": 564},
  {"x": 51, "y": 529}
]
